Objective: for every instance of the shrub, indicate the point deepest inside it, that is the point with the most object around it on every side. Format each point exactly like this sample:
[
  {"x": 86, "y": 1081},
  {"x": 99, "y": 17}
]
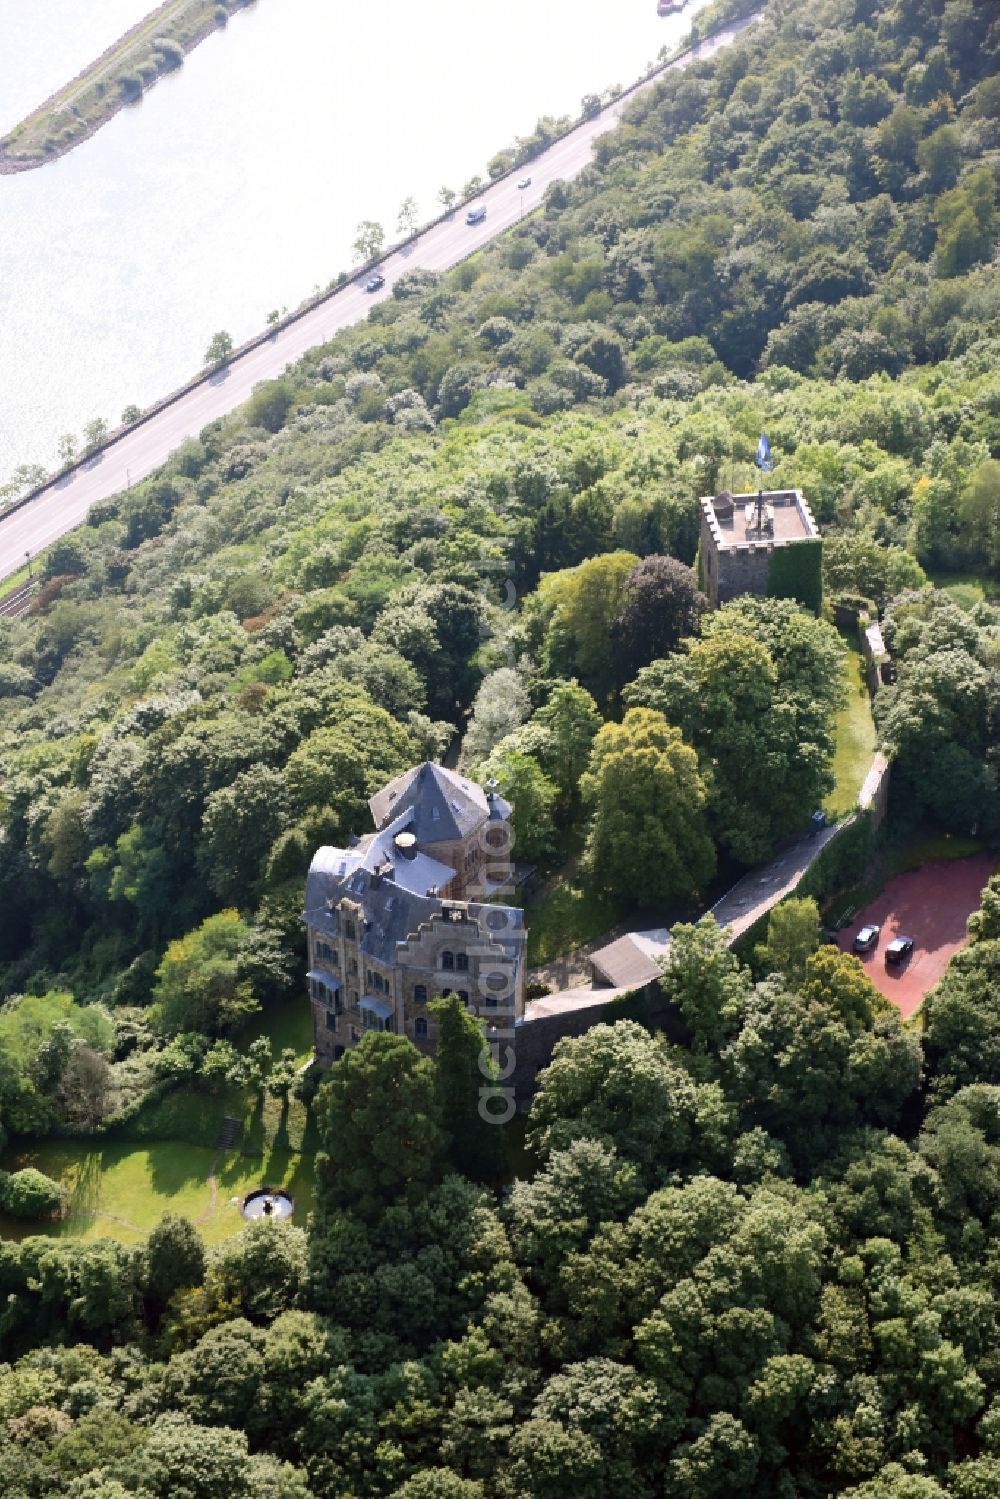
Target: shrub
[
  {"x": 30, "y": 1194},
  {"x": 171, "y": 55}
]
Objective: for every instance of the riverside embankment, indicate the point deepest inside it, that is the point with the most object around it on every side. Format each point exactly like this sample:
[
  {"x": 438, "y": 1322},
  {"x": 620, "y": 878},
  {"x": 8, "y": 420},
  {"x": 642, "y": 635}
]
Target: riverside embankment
[
  {"x": 154, "y": 46},
  {"x": 237, "y": 187},
  {"x": 64, "y": 502}
]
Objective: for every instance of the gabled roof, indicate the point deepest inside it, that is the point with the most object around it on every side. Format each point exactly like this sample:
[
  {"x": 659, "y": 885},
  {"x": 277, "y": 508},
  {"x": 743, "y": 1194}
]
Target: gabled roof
[
  {"x": 632, "y": 961},
  {"x": 442, "y": 804},
  {"x": 391, "y": 913}
]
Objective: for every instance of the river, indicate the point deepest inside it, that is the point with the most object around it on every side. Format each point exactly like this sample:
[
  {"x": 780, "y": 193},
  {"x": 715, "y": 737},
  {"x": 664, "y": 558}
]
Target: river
[{"x": 237, "y": 185}]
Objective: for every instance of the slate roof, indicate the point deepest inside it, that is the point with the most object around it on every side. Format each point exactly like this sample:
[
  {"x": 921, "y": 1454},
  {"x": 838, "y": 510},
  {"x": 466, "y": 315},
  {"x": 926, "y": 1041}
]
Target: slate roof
[
  {"x": 629, "y": 962},
  {"x": 442, "y": 805},
  {"x": 391, "y": 912},
  {"x": 397, "y": 894}
]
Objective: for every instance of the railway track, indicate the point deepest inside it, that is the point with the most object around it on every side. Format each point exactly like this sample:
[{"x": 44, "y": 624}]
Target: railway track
[{"x": 17, "y": 601}]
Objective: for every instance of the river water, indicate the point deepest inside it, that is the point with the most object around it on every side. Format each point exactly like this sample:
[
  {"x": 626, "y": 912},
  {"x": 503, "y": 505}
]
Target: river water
[{"x": 237, "y": 185}]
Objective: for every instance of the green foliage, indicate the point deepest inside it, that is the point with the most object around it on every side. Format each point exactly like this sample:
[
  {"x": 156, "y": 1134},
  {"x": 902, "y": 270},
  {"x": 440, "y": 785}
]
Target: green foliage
[
  {"x": 754, "y": 1259},
  {"x": 796, "y": 573},
  {"x": 175, "y": 1257},
  {"x": 756, "y": 696},
  {"x": 198, "y": 985},
  {"x": 30, "y": 1194},
  {"x": 379, "y": 1122},
  {"x": 793, "y": 935},
  {"x": 465, "y": 1070},
  {"x": 648, "y": 837}
]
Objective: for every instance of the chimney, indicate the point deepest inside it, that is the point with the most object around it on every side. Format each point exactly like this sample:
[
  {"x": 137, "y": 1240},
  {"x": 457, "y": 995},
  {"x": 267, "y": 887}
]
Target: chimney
[{"x": 406, "y": 845}]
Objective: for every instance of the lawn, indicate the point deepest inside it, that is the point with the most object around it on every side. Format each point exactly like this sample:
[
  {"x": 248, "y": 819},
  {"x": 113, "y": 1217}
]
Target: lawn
[
  {"x": 120, "y": 1190},
  {"x": 967, "y": 589},
  {"x": 565, "y": 916},
  {"x": 289, "y": 1024},
  {"x": 167, "y": 1158},
  {"x": 856, "y": 737}
]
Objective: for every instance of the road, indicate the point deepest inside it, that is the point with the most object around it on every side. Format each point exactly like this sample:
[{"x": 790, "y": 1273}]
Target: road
[{"x": 66, "y": 501}]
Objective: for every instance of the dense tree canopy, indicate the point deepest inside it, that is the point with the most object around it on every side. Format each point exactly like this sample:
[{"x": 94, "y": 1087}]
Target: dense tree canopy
[{"x": 753, "y": 1248}]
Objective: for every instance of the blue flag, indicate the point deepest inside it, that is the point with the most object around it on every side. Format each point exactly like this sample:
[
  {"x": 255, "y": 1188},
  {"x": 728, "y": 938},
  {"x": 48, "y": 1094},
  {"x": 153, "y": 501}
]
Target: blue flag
[{"x": 764, "y": 460}]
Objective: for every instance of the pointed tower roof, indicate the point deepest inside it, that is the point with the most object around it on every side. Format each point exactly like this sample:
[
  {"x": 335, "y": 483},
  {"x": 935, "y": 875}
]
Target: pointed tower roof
[{"x": 443, "y": 805}]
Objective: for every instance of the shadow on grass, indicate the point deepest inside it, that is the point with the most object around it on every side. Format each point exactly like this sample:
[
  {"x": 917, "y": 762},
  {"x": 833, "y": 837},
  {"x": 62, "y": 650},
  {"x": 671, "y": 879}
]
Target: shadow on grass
[
  {"x": 171, "y": 1171},
  {"x": 281, "y": 1140}
]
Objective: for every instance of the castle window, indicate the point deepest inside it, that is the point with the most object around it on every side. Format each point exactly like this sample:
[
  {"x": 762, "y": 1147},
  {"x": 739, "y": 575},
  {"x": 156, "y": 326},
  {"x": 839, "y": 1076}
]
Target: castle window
[
  {"x": 331, "y": 1021},
  {"x": 463, "y": 995},
  {"x": 462, "y": 962},
  {"x": 420, "y": 1028},
  {"x": 350, "y": 930},
  {"x": 448, "y": 961},
  {"x": 420, "y": 994}
]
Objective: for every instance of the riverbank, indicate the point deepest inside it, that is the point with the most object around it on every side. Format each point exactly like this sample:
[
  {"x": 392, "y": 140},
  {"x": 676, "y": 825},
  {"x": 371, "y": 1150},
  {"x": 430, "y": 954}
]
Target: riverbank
[{"x": 156, "y": 45}]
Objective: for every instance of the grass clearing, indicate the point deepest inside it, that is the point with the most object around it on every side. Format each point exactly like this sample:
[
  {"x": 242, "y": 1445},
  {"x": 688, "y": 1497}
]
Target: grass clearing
[
  {"x": 166, "y": 1159},
  {"x": 120, "y": 1191},
  {"x": 565, "y": 916},
  {"x": 284, "y": 1025},
  {"x": 967, "y": 588},
  {"x": 856, "y": 738}
]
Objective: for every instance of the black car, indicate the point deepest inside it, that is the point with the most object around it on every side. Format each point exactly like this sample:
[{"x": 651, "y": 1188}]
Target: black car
[
  {"x": 376, "y": 282},
  {"x": 899, "y": 950},
  {"x": 867, "y": 938}
]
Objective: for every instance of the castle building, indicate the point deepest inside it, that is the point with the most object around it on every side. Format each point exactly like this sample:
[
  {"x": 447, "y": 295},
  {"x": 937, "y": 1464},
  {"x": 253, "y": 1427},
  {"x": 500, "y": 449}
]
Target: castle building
[
  {"x": 406, "y": 913},
  {"x": 765, "y": 543}
]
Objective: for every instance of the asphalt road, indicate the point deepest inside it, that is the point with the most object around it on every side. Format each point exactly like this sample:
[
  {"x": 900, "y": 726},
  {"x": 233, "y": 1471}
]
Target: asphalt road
[{"x": 65, "y": 502}]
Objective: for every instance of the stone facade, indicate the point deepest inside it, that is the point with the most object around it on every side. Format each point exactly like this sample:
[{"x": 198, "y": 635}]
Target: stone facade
[
  {"x": 739, "y": 534},
  {"x": 391, "y": 923}
]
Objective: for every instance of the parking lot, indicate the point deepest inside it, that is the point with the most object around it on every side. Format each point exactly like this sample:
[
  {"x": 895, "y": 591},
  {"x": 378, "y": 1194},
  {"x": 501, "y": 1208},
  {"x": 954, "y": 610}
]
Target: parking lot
[{"x": 931, "y": 905}]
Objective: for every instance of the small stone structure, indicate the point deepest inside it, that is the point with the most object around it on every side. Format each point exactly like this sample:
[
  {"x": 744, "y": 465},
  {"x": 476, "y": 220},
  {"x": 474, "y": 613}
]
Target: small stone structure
[
  {"x": 740, "y": 534},
  {"x": 878, "y": 663}
]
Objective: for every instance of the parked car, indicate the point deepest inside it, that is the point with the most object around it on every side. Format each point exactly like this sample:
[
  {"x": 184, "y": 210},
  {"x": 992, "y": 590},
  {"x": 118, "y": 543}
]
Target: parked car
[
  {"x": 476, "y": 215},
  {"x": 899, "y": 950},
  {"x": 867, "y": 938},
  {"x": 524, "y": 182},
  {"x": 376, "y": 282}
]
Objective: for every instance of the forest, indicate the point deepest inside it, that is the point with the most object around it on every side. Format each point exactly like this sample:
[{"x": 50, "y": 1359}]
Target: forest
[{"x": 755, "y": 1256}]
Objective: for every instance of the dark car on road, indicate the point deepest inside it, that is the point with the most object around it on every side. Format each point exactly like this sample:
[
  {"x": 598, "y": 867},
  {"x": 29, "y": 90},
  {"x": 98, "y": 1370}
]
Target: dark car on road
[
  {"x": 376, "y": 282},
  {"x": 476, "y": 215},
  {"x": 899, "y": 950},
  {"x": 867, "y": 938}
]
